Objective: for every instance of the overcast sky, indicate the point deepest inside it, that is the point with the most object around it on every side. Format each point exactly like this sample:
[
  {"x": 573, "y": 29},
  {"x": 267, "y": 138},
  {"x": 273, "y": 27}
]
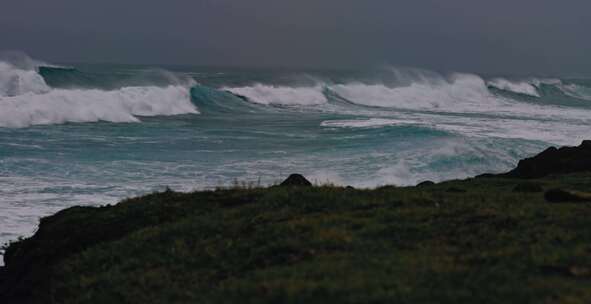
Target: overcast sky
[{"x": 501, "y": 36}]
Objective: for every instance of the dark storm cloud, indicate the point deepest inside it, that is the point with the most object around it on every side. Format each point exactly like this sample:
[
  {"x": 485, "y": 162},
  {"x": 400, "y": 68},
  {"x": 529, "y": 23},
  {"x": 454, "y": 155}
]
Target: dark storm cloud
[{"x": 527, "y": 36}]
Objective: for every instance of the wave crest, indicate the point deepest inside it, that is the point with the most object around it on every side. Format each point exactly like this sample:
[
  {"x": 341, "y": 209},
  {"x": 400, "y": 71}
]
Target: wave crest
[
  {"x": 26, "y": 99},
  {"x": 280, "y": 95},
  {"x": 463, "y": 91},
  {"x": 61, "y": 106},
  {"x": 576, "y": 91},
  {"x": 518, "y": 87}
]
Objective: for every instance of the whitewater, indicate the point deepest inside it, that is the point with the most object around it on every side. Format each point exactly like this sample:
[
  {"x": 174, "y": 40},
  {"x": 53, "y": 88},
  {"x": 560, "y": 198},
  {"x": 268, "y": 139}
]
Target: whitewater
[{"x": 95, "y": 134}]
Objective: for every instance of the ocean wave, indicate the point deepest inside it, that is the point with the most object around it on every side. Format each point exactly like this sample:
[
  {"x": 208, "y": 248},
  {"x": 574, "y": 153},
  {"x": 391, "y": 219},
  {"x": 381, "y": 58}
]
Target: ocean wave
[
  {"x": 458, "y": 94},
  {"x": 518, "y": 87},
  {"x": 17, "y": 81},
  {"x": 461, "y": 92},
  {"x": 26, "y": 99},
  {"x": 125, "y": 105},
  {"x": 576, "y": 91},
  {"x": 562, "y": 131},
  {"x": 280, "y": 95}
]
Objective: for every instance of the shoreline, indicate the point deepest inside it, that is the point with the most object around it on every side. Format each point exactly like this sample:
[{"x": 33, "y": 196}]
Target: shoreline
[{"x": 291, "y": 230}]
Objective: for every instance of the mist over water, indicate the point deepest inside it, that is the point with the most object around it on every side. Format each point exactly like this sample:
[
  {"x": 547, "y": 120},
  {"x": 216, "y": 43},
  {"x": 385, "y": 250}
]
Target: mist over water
[{"x": 94, "y": 134}]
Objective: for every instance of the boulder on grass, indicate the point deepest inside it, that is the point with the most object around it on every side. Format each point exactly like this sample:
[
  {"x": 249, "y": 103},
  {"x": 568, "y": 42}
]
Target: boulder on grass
[
  {"x": 425, "y": 183},
  {"x": 562, "y": 196},
  {"x": 296, "y": 180}
]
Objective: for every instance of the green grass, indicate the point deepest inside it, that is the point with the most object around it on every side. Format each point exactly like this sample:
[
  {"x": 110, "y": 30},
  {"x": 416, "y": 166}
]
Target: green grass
[{"x": 326, "y": 244}]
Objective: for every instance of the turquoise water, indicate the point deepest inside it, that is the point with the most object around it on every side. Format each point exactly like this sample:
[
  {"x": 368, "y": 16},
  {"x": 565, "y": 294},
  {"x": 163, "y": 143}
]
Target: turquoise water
[{"x": 94, "y": 134}]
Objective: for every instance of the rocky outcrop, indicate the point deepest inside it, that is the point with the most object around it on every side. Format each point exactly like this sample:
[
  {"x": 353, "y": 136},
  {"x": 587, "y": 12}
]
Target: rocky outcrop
[
  {"x": 296, "y": 180},
  {"x": 425, "y": 183},
  {"x": 555, "y": 161},
  {"x": 563, "y": 196}
]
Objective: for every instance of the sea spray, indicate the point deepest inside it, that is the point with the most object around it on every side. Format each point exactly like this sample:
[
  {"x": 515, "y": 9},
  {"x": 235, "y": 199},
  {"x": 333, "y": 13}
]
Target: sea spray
[{"x": 15, "y": 81}]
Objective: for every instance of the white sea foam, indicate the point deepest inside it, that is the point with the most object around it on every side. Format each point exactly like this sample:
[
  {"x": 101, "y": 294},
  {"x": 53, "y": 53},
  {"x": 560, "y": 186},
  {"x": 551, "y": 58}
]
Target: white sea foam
[
  {"x": 281, "y": 95},
  {"x": 519, "y": 87},
  {"x": 459, "y": 93},
  {"x": 369, "y": 123},
  {"x": 441, "y": 161},
  {"x": 124, "y": 105},
  {"x": 16, "y": 81},
  {"x": 436, "y": 160},
  {"x": 560, "y": 132},
  {"x": 25, "y": 98}
]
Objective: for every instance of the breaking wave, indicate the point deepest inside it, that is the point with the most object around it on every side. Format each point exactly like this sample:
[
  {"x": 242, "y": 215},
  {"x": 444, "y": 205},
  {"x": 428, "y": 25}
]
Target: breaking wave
[
  {"x": 33, "y": 93},
  {"x": 17, "y": 81},
  {"x": 61, "y": 106},
  {"x": 576, "y": 91},
  {"x": 431, "y": 92},
  {"x": 464, "y": 91},
  {"x": 518, "y": 87},
  {"x": 26, "y": 99},
  {"x": 280, "y": 95}
]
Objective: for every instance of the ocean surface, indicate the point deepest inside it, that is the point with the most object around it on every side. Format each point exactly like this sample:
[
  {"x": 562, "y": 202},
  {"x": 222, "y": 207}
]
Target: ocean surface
[{"x": 95, "y": 134}]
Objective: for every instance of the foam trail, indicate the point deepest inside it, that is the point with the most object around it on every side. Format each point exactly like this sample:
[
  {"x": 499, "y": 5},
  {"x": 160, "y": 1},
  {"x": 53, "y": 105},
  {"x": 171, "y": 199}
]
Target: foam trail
[
  {"x": 561, "y": 132},
  {"x": 281, "y": 95},
  {"x": 369, "y": 123},
  {"x": 519, "y": 87},
  {"x": 61, "y": 106}
]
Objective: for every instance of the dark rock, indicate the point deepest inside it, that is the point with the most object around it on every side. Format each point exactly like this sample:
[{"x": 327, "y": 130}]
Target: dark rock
[
  {"x": 571, "y": 271},
  {"x": 425, "y": 183},
  {"x": 580, "y": 271},
  {"x": 486, "y": 175},
  {"x": 560, "y": 196},
  {"x": 350, "y": 188},
  {"x": 296, "y": 180},
  {"x": 528, "y": 188},
  {"x": 555, "y": 161}
]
